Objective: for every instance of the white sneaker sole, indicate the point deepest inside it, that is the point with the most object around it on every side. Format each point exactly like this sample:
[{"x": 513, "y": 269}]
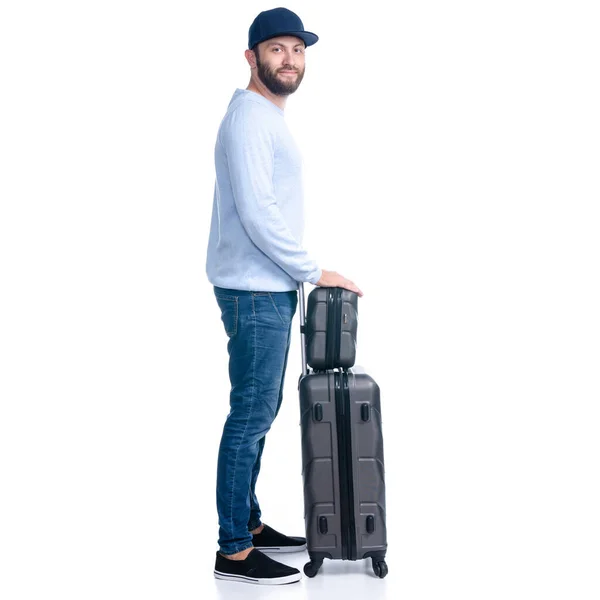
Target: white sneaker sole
[
  {"x": 244, "y": 579},
  {"x": 281, "y": 549}
]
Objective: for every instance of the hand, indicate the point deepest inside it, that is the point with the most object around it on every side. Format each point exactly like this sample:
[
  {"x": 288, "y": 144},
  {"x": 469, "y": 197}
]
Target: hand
[{"x": 333, "y": 279}]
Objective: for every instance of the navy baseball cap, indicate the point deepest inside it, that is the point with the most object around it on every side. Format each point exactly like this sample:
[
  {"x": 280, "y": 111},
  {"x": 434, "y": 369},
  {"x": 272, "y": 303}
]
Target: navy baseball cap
[{"x": 278, "y": 21}]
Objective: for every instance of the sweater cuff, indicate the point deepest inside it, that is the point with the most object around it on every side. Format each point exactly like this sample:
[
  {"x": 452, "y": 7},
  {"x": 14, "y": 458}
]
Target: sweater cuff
[{"x": 315, "y": 277}]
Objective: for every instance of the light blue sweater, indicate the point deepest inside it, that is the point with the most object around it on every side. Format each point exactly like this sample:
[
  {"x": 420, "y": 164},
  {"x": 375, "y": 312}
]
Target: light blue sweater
[{"x": 257, "y": 225}]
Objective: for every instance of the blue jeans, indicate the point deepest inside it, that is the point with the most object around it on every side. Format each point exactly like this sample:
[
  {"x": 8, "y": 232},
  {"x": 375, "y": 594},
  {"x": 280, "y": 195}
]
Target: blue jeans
[{"x": 258, "y": 325}]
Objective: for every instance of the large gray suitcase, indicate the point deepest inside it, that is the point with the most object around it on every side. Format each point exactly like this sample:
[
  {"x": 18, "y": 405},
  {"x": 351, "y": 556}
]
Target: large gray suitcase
[
  {"x": 331, "y": 325},
  {"x": 342, "y": 465}
]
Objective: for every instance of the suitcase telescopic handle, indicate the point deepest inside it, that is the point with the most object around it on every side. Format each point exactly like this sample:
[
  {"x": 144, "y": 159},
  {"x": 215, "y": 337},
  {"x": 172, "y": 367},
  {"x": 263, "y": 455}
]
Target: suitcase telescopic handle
[{"x": 302, "y": 327}]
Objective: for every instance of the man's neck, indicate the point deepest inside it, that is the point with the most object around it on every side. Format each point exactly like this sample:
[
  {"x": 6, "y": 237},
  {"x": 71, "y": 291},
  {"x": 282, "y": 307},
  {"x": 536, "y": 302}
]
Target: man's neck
[{"x": 259, "y": 88}]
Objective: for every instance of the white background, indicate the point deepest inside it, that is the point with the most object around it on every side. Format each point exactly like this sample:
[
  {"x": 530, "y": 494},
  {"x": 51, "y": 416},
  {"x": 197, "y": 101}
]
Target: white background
[{"x": 451, "y": 163}]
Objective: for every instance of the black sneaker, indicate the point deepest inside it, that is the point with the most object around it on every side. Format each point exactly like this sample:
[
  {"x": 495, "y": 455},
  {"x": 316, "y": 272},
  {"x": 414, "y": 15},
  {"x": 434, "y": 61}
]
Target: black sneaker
[
  {"x": 269, "y": 540},
  {"x": 255, "y": 568}
]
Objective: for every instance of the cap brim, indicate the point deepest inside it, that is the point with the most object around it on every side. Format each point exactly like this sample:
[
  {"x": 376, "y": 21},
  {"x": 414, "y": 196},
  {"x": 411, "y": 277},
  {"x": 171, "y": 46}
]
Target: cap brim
[{"x": 306, "y": 36}]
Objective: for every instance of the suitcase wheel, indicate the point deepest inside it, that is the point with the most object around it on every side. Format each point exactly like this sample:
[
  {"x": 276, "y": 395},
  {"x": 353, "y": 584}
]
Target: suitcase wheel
[
  {"x": 312, "y": 568},
  {"x": 380, "y": 568}
]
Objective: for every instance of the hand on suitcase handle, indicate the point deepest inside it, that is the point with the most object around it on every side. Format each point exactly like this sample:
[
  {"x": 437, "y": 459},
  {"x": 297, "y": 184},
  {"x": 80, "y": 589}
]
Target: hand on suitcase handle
[{"x": 333, "y": 279}]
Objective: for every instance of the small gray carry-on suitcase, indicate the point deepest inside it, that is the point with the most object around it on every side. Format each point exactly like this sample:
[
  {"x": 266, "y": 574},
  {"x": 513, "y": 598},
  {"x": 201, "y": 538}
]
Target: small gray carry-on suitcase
[
  {"x": 342, "y": 465},
  {"x": 331, "y": 324}
]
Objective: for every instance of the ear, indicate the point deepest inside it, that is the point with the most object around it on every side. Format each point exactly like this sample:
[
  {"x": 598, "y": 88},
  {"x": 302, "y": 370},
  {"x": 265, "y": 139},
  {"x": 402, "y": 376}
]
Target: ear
[{"x": 250, "y": 58}]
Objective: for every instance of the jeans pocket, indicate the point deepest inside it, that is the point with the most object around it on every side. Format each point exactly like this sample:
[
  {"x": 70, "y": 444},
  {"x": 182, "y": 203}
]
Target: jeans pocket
[
  {"x": 284, "y": 306},
  {"x": 229, "y": 313}
]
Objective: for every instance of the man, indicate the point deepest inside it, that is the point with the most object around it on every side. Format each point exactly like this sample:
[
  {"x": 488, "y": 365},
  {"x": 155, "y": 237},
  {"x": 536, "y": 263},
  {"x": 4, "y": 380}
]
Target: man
[{"x": 255, "y": 261}]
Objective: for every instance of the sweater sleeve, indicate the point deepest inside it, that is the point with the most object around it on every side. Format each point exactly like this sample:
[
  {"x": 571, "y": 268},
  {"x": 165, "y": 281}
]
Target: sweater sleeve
[{"x": 250, "y": 158}]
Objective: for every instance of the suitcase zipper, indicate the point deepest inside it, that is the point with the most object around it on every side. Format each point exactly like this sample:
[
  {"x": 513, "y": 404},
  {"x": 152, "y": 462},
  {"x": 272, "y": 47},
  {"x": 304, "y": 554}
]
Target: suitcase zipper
[
  {"x": 352, "y": 549},
  {"x": 344, "y": 424},
  {"x": 329, "y": 347},
  {"x": 338, "y": 324},
  {"x": 334, "y": 334}
]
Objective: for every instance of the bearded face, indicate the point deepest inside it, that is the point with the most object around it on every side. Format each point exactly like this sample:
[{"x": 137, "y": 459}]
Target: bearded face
[{"x": 281, "y": 79}]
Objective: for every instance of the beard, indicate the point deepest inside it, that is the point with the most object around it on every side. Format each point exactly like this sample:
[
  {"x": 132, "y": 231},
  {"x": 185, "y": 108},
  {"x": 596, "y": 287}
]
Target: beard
[{"x": 274, "y": 84}]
